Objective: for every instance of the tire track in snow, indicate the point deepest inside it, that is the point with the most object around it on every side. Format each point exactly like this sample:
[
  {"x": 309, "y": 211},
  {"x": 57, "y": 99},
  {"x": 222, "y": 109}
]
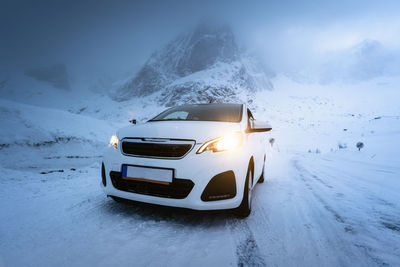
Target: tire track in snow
[
  {"x": 306, "y": 177},
  {"x": 247, "y": 250},
  {"x": 339, "y": 218},
  {"x": 386, "y": 210}
]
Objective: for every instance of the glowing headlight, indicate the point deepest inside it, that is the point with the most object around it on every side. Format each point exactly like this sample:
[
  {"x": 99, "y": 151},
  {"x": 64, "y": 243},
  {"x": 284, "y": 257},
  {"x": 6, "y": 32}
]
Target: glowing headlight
[
  {"x": 114, "y": 141},
  {"x": 223, "y": 143}
]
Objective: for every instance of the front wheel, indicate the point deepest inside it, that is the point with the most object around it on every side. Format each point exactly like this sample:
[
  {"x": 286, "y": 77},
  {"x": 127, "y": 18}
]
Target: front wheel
[{"x": 244, "y": 209}]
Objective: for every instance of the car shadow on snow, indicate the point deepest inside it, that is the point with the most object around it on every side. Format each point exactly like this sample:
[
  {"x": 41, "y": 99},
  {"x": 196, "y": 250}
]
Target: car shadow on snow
[
  {"x": 151, "y": 212},
  {"x": 191, "y": 222}
]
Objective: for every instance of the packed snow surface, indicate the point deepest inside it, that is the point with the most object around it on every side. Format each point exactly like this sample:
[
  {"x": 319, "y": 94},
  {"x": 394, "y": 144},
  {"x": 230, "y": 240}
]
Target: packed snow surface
[{"x": 324, "y": 202}]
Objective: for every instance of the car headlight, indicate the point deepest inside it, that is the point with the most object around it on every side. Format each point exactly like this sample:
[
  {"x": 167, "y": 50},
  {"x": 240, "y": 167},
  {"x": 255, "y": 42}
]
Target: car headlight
[
  {"x": 223, "y": 143},
  {"x": 114, "y": 141}
]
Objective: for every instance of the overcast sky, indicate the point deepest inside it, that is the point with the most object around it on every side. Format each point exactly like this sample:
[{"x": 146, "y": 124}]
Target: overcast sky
[{"x": 115, "y": 36}]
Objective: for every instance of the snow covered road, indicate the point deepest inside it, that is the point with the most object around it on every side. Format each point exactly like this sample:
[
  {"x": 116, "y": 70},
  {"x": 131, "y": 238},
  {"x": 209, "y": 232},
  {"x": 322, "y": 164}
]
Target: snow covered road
[{"x": 313, "y": 210}]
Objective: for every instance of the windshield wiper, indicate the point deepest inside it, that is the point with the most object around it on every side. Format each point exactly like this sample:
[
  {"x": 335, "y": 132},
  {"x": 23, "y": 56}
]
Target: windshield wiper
[{"x": 170, "y": 120}]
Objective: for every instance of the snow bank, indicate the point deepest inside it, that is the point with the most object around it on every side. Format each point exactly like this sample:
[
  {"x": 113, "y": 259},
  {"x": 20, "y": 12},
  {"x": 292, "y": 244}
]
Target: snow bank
[{"x": 29, "y": 125}]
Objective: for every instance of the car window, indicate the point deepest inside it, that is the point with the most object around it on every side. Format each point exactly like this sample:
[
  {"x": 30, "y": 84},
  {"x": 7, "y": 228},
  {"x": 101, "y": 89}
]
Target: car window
[
  {"x": 203, "y": 112},
  {"x": 178, "y": 115}
]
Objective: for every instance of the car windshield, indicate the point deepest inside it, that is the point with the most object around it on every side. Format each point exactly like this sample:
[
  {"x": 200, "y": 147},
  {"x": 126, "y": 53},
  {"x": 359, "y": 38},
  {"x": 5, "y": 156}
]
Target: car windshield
[{"x": 202, "y": 112}]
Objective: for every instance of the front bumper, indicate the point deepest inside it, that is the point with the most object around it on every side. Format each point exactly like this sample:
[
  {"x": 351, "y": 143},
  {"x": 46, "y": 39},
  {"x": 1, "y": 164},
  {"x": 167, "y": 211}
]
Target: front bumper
[{"x": 198, "y": 168}]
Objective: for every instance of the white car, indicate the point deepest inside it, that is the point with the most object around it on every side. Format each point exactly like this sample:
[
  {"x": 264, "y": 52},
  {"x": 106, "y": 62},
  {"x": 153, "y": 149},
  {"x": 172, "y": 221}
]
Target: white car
[{"x": 202, "y": 157}]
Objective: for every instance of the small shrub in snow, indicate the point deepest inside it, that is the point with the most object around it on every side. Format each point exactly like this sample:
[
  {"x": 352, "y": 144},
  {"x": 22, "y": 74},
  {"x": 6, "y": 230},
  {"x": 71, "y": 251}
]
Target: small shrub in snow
[
  {"x": 272, "y": 141},
  {"x": 360, "y": 145},
  {"x": 342, "y": 145},
  {"x": 317, "y": 151}
]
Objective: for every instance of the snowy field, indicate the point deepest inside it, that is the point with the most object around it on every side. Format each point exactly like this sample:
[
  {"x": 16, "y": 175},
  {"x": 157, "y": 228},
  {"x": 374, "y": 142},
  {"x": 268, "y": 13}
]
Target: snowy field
[{"x": 324, "y": 203}]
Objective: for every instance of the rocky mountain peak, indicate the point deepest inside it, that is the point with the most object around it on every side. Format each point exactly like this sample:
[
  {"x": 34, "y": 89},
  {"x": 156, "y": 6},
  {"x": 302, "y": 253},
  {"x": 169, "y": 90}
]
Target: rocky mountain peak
[
  {"x": 206, "y": 46},
  {"x": 203, "y": 64}
]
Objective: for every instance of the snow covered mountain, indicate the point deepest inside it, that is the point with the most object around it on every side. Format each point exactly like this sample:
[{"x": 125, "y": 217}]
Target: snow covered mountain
[
  {"x": 201, "y": 65},
  {"x": 365, "y": 60}
]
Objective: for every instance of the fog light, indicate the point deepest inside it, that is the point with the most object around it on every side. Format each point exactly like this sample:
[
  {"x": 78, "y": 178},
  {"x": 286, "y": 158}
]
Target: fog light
[{"x": 221, "y": 186}]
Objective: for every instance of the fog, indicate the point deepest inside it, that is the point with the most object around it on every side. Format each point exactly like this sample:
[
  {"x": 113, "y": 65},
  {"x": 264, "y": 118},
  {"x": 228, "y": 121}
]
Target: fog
[{"x": 111, "y": 38}]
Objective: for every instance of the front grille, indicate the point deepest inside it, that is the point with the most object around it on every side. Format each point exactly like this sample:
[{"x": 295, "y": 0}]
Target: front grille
[
  {"x": 162, "y": 148},
  {"x": 178, "y": 189}
]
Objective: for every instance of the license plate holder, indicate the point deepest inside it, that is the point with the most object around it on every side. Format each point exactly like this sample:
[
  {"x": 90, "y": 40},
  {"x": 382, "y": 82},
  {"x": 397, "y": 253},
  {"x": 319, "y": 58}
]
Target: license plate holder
[{"x": 147, "y": 174}]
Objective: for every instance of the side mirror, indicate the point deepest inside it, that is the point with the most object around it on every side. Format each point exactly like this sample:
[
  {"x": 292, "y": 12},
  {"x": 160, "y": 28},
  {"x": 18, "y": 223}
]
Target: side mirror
[
  {"x": 260, "y": 126},
  {"x": 133, "y": 121}
]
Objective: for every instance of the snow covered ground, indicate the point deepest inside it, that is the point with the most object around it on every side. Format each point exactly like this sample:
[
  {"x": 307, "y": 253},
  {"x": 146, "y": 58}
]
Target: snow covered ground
[{"x": 324, "y": 203}]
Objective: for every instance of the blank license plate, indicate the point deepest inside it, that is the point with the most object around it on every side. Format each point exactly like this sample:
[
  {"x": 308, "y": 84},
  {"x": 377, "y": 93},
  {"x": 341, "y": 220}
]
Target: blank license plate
[{"x": 147, "y": 174}]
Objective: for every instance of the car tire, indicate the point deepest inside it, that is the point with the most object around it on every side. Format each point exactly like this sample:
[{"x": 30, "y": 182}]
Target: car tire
[
  {"x": 261, "y": 180},
  {"x": 244, "y": 209}
]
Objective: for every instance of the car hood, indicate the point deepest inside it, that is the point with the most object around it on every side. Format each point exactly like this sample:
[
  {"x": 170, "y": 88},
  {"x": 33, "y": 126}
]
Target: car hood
[{"x": 200, "y": 131}]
